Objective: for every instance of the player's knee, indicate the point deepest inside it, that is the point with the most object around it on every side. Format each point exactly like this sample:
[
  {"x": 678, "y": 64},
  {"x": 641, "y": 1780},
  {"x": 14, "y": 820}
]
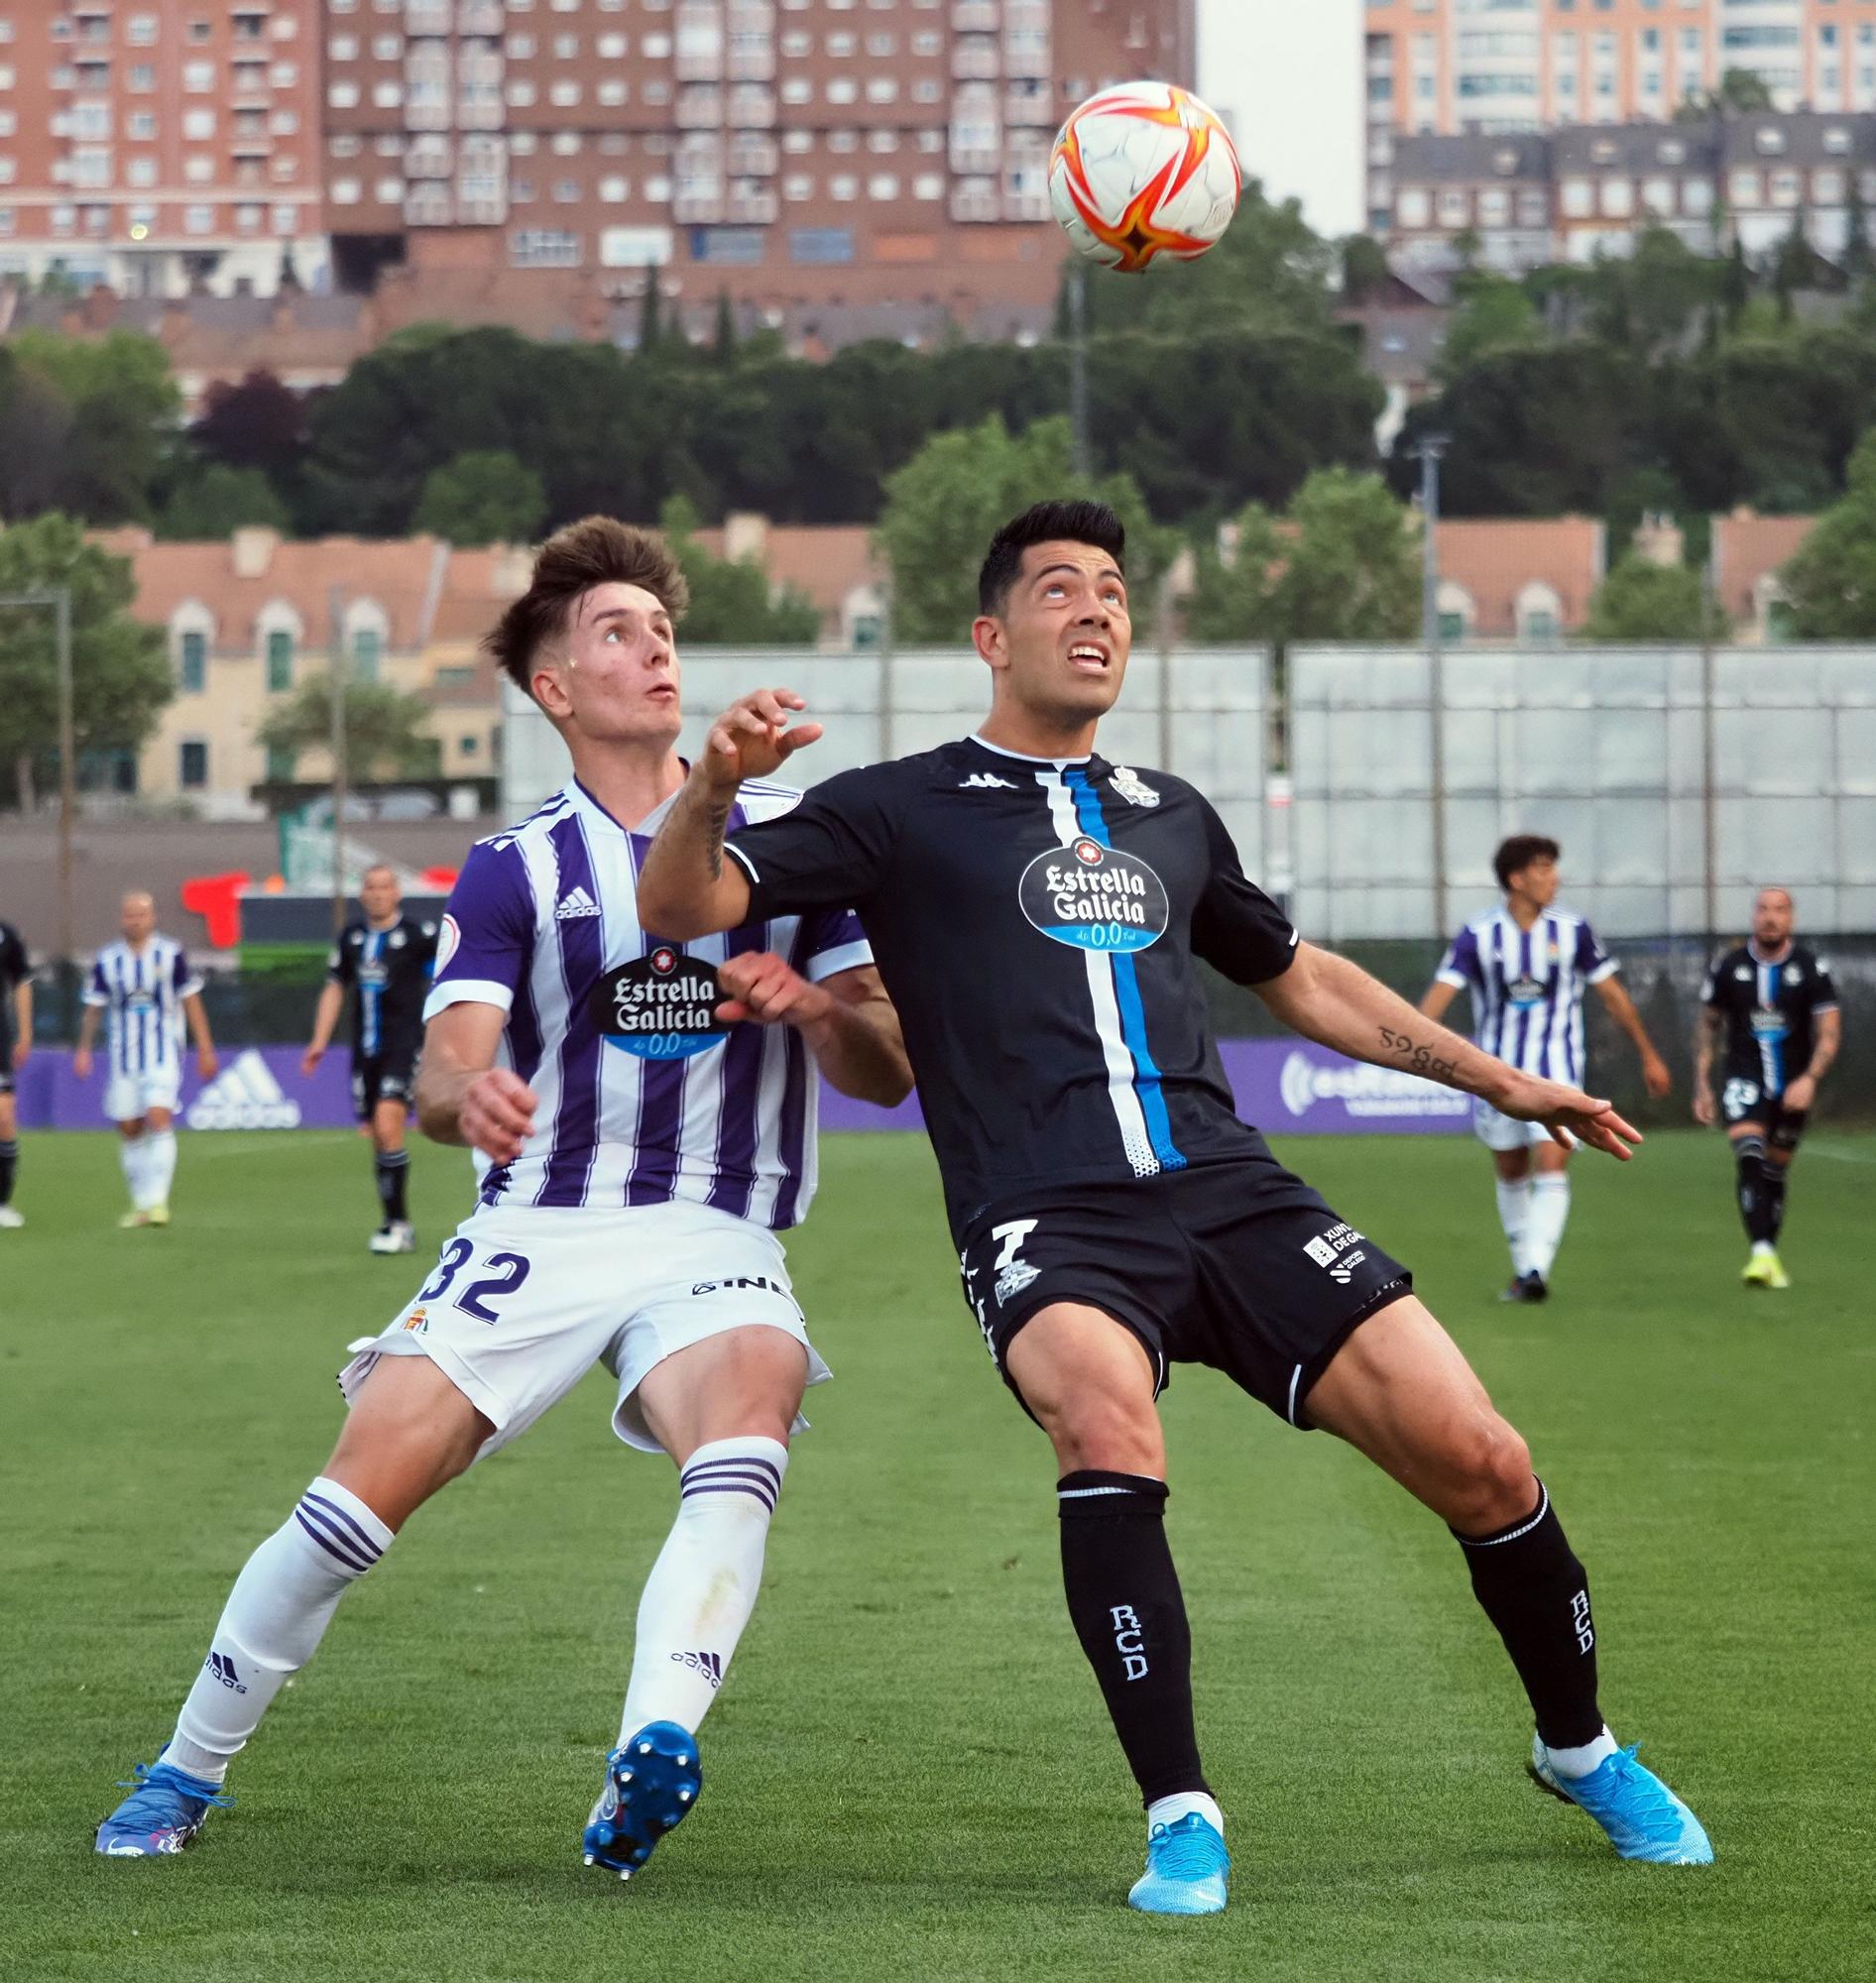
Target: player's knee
[
  {"x": 1095, "y": 1429},
  {"x": 1491, "y": 1480}
]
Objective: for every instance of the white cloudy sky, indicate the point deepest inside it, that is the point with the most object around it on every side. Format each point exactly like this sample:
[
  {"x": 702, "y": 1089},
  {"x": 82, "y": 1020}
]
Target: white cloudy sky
[{"x": 1287, "y": 72}]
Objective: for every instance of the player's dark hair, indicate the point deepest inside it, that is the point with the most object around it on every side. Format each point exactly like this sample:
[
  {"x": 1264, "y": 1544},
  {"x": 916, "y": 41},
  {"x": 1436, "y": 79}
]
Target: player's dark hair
[
  {"x": 1516, "y": 854},
  {"x": 1046, "y": 524},
  {"x": 597, "y": 550}
]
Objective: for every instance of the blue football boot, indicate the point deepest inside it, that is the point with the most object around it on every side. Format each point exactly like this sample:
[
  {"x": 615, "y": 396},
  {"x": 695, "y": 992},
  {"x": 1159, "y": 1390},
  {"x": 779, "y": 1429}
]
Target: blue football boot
[
  {"x": 165, "y": 1808},
  {"x": 1187, "y": 1867},
  {"x": 1642, "y": 1815},
  {"x": 651, "y": 1781}
]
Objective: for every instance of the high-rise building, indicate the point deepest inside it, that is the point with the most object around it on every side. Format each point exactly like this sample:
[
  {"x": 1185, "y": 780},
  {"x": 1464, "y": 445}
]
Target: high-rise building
[
  {"x": 1508, "y": 67},
  {"x": 153, "y": 144},
  {"x": 776, "y": 152}
]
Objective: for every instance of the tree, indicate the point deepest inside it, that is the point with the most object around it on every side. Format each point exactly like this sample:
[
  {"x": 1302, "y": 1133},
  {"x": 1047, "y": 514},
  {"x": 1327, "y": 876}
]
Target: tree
[
  {"x": 258, "y": 423},
  {"x": 1830, "y": 583},
  {"x": 1859, "y": 257},
  {"x": 123, "y": 405},
  {"x": 384, "y": 728},
  {"x": 947, "y": 503},
  {"x": 1493, "y": 313},
  {"x": 215, "y": 501},
  {"x": 485, "y": 497},
  {"x": 1365, "y": 270},
  {"x": 731, "y": 603},
  {"x": 1643, "y": 601},
  {"x": 1344, "y": 565},
  {"x": 121, "y": 679}
]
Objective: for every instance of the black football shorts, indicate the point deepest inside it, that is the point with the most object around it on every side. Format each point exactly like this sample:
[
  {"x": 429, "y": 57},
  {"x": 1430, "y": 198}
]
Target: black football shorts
[
  {"x": 1239, "y": 1265},
  {"x": 1743, "y": 1099},
  {"x": 384, "y": 1077}
]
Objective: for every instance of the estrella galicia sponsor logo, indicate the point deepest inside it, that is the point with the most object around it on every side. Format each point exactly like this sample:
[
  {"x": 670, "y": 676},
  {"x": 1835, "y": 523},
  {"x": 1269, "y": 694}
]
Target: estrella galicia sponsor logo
[
  {"x": 661, "y": 1007},
  {"x": 1095, "y": 897},
  {"x": 1526, "y": 991}
]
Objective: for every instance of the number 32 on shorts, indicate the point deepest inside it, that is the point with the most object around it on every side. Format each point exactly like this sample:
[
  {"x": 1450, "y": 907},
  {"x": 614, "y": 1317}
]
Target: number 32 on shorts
[{"x": 505, "y": 1273}]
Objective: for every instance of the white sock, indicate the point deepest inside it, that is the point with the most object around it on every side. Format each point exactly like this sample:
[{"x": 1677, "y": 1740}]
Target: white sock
[
  {"x": 1579, "y": 1762},
  {"x": 1170, "y": 1810},
  {"x": 703, "y": 1586},
  {"x": 1761, "y": 1247},
  {"x": 274, "y": 1617},
  {"x": 161, "y": 1160},
  {"x": 134, "y": 1155},
  {"x": 1514, "y": 1215},
  {"x": 1550, "y": 1213}
]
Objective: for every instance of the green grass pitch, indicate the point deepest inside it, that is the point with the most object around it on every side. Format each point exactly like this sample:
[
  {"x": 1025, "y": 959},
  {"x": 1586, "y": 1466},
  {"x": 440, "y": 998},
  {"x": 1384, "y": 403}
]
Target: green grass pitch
[{"x": 909, "y": 1773}]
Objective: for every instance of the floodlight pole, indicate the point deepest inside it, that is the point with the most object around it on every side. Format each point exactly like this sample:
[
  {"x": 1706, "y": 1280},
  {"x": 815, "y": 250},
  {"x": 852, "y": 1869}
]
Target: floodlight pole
[
  {"x": 1428, "y": 451},
  {"x": 1082, "y": 457},
  {"x": 335, "y": 630},
  {"x": 59, "y": 598}
]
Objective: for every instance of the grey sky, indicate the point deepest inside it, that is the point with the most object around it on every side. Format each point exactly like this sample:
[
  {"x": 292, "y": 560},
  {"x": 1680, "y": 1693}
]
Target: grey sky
[{"x": 1288, "y": 75}]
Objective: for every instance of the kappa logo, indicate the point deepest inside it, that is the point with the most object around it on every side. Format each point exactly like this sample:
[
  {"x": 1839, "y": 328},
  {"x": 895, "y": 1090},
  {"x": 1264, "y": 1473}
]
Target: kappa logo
[
  {"x": 244, "y": 1096},
  {"x": 988, "y": 781},
  {"x": 224, "y": 1667},
  {"x": 575, "y": 906},
  {"x": 710, "y": 1665},
  {"x": 1132, "y": 787}
]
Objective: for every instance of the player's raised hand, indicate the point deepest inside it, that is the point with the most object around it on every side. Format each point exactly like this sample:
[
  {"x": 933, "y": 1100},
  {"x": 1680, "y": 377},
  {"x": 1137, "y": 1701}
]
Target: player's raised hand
[
  {"x": 756, "y": 735},
  {"x": 767, "y": 989},
  {"x": 1570, "y": 1115},
  {"x": 497, "y": 1113}
]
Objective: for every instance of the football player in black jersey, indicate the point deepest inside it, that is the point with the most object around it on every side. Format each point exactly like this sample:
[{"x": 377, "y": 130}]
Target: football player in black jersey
[
  {"x": 1772, "y": 1004},
  {"x": 16, "y": 1042},
  {"x": 383, "y": 960},
  {"x": 1036, "y": 913}
]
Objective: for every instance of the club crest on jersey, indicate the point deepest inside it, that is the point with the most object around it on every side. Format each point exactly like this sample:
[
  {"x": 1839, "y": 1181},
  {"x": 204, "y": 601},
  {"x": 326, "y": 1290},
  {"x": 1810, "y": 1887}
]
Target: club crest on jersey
[
  {"x": 1132, "y": 787},
  {"x": 1094, "y": 897},
  {"x": 659, "y": 1007}
]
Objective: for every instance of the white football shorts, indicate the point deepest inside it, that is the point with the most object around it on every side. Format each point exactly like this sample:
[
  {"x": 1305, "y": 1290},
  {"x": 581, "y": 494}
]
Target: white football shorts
[
  {"x": 524, "y": 1300},
  {"x": 1505, "y": 1133},
  {"x": 130, "y": 1096}
]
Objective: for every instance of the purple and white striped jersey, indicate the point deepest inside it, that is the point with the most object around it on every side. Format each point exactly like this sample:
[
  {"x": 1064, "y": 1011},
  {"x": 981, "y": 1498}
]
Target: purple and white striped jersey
[
  {"x": 1527, "y": 987},
  {"x": 142, "y": 992},
  {"x": 644, "y": 1095}
]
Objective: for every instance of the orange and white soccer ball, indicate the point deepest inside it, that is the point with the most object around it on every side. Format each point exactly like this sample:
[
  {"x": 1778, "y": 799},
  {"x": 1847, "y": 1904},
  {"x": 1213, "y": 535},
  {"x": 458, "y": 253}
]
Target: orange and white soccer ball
[{"x": 1141, "y": 170}]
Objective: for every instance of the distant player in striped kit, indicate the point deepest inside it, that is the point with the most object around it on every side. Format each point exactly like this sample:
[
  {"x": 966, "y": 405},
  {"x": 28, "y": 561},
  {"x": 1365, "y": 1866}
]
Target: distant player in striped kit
[
  {"x": 383, "y": 960},
  {"x": 145, "y": 992},
  {"x": 1526, "y": 967},
  {"x": 643, "y": 1122}
]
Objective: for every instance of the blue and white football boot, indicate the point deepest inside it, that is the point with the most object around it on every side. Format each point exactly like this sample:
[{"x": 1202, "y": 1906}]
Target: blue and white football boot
[
  {"x": 1642, "y": 1815},
  {"x": 165, "y": 1808},
  {"x": 651, "y": 1781},
  {"x": 1187, "y": 1869}
]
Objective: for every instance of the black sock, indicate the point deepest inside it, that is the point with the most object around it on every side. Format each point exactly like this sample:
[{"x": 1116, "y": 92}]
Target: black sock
[
  {"x": 1756, "y": 1203},
  {"x": 9, "y": 1169},
  {"x": 393, "y": 1168},
  {"x": 1536, "y": 1593},
  {"x": 1123, "y": 1596},
  {"x": 1773, "y": 1189}
]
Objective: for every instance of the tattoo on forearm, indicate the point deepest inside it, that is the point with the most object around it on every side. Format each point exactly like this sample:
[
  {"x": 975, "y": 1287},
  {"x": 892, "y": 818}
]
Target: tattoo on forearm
[
  {"x": 1422, "y": 1057},
  {"x": 716, "y": 823}
]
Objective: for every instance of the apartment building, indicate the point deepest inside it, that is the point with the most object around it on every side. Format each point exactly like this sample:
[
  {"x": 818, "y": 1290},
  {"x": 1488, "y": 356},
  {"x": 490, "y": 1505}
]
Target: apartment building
[
  {"x": 780, "y": 152},
  {"x": 1498, "y": 66},
  {"x": 155, "y": 145}
]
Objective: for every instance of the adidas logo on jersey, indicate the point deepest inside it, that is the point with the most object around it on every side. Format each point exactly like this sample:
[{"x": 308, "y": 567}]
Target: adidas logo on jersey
[
  {"x": 244, "y": 1096},
  {"x": 987, "y": 782},
  {"x": 575, "y": 906}
]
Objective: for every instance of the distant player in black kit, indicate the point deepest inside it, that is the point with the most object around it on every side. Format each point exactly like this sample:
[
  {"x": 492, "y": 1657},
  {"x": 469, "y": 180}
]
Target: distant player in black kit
[
  {"x": 1036, "y": 912},
  {"x": 385, "y": 962},
  {"x": 1773, "y": 1002},
  {"x": 16, "y": 1042}
]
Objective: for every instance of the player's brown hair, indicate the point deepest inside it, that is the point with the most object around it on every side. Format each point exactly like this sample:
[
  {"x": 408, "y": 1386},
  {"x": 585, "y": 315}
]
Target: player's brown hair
[
  {"x": 597, "y": 550},
  {"x": 1515, "y": 854}
]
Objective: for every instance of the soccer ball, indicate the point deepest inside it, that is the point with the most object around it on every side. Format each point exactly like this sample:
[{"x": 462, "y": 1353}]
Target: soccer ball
[{"x": 1141, "y": 170}]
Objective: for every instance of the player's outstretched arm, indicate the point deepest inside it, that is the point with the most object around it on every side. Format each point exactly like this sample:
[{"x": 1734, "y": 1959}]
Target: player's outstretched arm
[
  {"x": 462, "y": 1097},
  {"x": 686, "y": 889},
  {"x": 1621, "y": 1008},
  {"x": 1327, "y": 998},
  {"x": 848, "y": 1021}
]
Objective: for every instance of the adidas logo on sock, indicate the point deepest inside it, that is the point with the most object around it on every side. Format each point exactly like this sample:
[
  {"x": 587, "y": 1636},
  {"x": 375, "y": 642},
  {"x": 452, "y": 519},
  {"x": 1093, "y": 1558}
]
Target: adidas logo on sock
[
  {"x": 710, "y": 1665},
  {"x": 224, "y": 1667},
  {"x": 578, "y": 904},
  {"x": 244, "y": 1096}
]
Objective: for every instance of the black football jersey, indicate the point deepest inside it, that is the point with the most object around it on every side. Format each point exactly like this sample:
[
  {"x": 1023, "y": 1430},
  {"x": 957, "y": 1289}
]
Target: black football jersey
[
  {"x": 1037, "y": 922},
  {"x": 387, "y": 973},
  {"x": 14, "y": 971},
  {"x": 1769, "y": 1010}
]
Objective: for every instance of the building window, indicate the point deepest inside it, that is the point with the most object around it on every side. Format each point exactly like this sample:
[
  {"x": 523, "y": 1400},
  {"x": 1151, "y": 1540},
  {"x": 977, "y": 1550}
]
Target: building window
[
  {"x": 193, "y": 659},
  {"x": 279, "y": 660},
  {"x": 192, "y": 767},
  {"x": 366, "y": 649}
]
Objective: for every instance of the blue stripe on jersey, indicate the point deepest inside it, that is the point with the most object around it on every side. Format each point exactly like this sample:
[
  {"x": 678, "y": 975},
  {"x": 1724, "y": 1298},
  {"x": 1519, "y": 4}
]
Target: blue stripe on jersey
[
  {"x": 1127, "y": 987},
  {"x": 1775, "y": 1042},
  {"x": 370, "y": 990}
]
